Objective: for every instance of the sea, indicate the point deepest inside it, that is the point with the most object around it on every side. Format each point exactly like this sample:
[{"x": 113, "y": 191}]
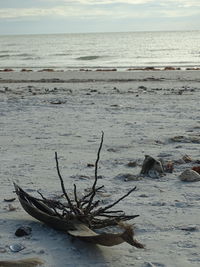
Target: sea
[{"x": 122, "y": 50}]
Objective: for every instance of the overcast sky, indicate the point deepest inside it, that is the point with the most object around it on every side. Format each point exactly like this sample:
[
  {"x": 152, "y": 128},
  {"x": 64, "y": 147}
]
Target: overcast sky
[{"x": 65, "y": 16}]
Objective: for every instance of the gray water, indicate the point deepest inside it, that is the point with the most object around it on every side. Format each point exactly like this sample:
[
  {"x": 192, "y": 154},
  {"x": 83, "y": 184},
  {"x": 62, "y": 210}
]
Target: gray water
[{"x": 101, "y": 50}]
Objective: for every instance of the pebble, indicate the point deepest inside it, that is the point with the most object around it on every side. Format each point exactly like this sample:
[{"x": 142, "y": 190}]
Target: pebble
[
  {"x": 132, "y": 164},
  {"x": 23, "y": 230},
  {"x": 189, "y": 176},
  {"x": 11, "y": 207},
  {"x": 143, "y": 195},
  {"x": 190, "y": 228},
  {"x": 16, "y": 247},
  {"x": 2, "y": 250}
]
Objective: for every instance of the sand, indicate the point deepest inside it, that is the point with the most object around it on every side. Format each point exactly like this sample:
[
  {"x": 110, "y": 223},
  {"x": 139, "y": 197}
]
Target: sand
[{"x": 139, "y": 112}]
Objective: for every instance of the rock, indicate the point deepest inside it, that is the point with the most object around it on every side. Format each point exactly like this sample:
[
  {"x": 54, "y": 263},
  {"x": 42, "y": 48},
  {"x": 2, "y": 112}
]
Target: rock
[
  {"x": 143, "y": 195},
  {"x": 11, "y": 207},
  {"x": 16, "y": 247},
  {"x": 187, "y": 158},
  {"x": 2, "y": 250},
  {"x": 154, "y": 166},
  {"x": 190, "y": 228},
  {"x": 23, "y": 230},
  {"x": 169, "y": 167},
  {"x": 142, "y": 87},
  {"x": 57, "y": 102},
  {"x": 189, "y": 176},
  {"x": 196, "y": 169},
  {"x": 112, "y": 149},
  {"x": 132, "y": 164},
  {"x": 90, "y": 165}
]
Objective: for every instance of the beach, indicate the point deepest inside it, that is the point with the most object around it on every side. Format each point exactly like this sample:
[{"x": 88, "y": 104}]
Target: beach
[{"x": 151, "y": 112}]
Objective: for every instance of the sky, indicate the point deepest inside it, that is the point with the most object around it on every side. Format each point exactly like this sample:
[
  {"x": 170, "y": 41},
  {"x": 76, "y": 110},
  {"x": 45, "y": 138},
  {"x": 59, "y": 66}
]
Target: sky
[{"x": 82, "y": 16}]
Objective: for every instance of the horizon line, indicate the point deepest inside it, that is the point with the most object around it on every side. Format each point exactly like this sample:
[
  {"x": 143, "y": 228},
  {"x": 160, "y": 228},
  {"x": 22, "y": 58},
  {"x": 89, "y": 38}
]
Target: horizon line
[{"x": 98, "y": 32}]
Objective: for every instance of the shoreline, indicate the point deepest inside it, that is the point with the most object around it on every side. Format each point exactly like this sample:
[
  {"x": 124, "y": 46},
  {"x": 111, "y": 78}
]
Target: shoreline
[
  {"x": 99, "y": 69},
  {"x": 98, "y": 76}
]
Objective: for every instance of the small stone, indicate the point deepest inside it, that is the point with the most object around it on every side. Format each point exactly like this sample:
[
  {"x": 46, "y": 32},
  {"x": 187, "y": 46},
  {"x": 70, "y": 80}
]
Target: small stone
[
  {"x": 2, "y": 250},
  {"x": 57, "y": 102},
  {"x": 90, "y": 165},
  {"x": 11, "y": 207},
  {"x": 169, "y": 167},
  {"x": 143, "y": 195},
  {"x": 41, "y": 251},
  {"x": 196, "y": 169},
  {"x": 189, "y": 176},
  {"x": 142, "y": 87},
  {"x": 187, "y": 158},
  {"x": 23, "y": 230},
  {"x": 190, "y": 228},
  {"x": 132, "y": 164},
  {"x": 16, "y": 247}
]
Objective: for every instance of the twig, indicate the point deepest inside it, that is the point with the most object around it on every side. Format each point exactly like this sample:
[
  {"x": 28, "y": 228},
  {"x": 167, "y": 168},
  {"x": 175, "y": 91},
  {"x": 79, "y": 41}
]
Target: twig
[
  {"x": 75, "y": 197},
  {"x": 114, "y": 211},
  {"x": 51, "y": 204},
  {"x": 101, "y": 210},
  {"x": 120, "y": 217},
  {"x": 92, "y": 206},
  {"x": 62, "y": 185},
  {"x": 98, "y": 223},
  {"x": 89, "y": 194},
  {"x": 96, "y": 171}
]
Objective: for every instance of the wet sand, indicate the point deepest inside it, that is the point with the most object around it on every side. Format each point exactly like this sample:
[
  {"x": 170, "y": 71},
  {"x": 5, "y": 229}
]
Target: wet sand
[{"x": 140, "y": 113}]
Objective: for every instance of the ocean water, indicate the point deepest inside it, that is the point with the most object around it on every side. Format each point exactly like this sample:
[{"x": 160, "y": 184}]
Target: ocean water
[{"x": 101, "y": 50}]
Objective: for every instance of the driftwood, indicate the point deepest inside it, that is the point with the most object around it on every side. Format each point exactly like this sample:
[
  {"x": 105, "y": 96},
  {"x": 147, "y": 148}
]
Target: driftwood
[
  {"x": 30, "y": 262},
  {"x": 81, "y": 215}
]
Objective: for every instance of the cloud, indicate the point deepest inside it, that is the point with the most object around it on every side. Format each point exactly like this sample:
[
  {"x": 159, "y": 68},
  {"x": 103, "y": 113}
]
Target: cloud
[
  {"x": 103, "y": 2},
  {"x": 68, "y": 12},
  {"x": 184, "y": 3},
  {"x": 107, "y": 9}
]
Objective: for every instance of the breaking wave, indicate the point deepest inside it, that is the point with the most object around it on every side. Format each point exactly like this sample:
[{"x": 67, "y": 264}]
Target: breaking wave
[{"x": 88, "y": 57}]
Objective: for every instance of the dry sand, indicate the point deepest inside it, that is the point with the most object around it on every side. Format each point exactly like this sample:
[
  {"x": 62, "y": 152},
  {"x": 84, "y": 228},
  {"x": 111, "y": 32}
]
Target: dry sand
[{"x": 43, "y": 112}]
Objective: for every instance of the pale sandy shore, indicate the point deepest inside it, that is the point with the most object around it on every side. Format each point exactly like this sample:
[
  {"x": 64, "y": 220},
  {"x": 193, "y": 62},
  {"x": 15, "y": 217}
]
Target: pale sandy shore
[{"x": 140, "y": 113}]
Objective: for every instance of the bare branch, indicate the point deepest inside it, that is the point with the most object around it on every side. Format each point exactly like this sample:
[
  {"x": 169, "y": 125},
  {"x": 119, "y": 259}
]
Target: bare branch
[
  {"x": 89, "y": 194},
  {"x": 101, "y": 210},
  {"x": 96, "y": 171},
  {"x": 75, "y": 197},
  {"x": 62, "y": 185}
]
